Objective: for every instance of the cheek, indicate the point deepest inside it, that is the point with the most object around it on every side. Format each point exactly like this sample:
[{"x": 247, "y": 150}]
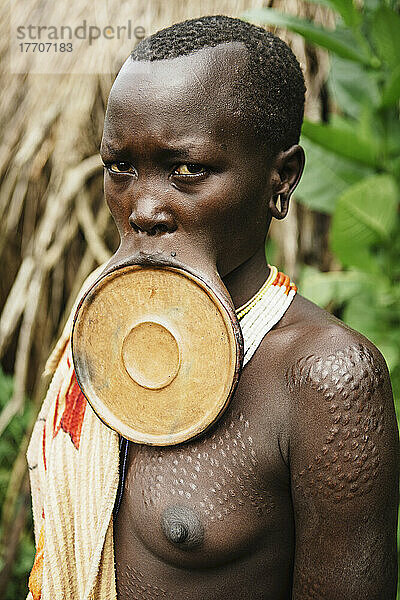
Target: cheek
[
  {"x": 236, "y": 208},
  {"x": 117, "y": 203},
  {"x": 239, "y": 226}
]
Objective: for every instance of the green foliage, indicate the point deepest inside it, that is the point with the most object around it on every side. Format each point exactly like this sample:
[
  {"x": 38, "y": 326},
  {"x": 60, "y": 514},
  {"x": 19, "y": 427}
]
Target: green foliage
[
  {"x": 353, "y": 169},
  {"x": 10, "y": 442},
  {"x": 11, "y": 439},
  {"x": 18, "y": 583},
  {"x": 391, "y": 91},
  {"x": 341, "y": 286},
  {"x": 344, "y": 141},
  {"x": 348, "y": 81},
  {"x": 326, "y": 176},
  {"x": 365, "y": 215},
  {"x": 385, "y": 27},
  {"x": 341, "y": 41},
  {"x": 346, "y": 10}
]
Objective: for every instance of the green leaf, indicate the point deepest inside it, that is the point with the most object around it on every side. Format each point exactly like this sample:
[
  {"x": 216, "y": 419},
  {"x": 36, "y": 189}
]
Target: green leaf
[
  {"x": 345, "y": 8},
  {"x": 325, "y": 177},
  {"x": 362, "y": 314},
  {"x": 391, "y": 92},
  {"x": 352, "y": 86},
  {"x": 392, "y": 141},
  {"x": 339, "y": 41},
  {"x": 345, "y": 142},
  {"x": 394, "y": 167},
  {"x": 333, "y": 287},
  {"x": 385, "y": 32},
  {"x": 365, "y": 214}
]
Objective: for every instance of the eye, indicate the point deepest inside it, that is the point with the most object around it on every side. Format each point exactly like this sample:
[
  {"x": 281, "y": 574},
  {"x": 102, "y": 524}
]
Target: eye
[
  {"x": 120, "y": 168},
  {"x": 190, "y": 171}
]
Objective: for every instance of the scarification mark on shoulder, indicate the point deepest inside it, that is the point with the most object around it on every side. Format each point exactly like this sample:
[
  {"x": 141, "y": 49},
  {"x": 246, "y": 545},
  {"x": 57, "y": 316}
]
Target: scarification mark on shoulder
[{"x": 348, "y": 461}]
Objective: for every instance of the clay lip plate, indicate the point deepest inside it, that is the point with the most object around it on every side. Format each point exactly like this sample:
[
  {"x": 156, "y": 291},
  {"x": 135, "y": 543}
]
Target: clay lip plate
[{"x": 157, "y": 353}]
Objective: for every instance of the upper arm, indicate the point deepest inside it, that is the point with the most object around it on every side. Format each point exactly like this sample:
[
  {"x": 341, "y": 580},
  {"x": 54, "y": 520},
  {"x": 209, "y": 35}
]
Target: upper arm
[{"x": 343, "y": 463}]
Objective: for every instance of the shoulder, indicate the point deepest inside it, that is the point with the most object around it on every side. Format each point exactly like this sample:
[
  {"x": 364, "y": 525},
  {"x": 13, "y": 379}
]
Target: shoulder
[
  {"x": 314, "y": 351},
  {"x": 332, "y": 369},
  {"x": 342, "y": 425},
  {"x": 325, "y": 354}
]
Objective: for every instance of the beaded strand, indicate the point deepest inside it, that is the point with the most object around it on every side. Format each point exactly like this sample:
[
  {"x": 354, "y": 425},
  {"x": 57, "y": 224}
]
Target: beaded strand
[{"x": 259, "y": 314}]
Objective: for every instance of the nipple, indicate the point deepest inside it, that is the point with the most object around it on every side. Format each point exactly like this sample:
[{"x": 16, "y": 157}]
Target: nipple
[{"x": 182, "y": 527}]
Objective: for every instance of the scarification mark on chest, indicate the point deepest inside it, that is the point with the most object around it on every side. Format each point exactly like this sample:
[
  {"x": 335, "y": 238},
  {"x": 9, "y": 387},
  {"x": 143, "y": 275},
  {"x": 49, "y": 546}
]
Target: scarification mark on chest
[
  {"x": 216, "y": 474},
  {"x": 135, "y": 586},
  {"x": 349, "y": 458}
]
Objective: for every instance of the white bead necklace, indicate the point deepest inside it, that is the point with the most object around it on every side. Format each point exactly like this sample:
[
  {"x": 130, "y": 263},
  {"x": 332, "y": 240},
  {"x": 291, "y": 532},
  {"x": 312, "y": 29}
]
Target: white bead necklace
[{"x": 259, "y": 314}]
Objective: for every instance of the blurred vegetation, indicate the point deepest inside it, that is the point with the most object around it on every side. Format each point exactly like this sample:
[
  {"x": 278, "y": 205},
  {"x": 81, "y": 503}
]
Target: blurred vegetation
[
  {"x": 353, "y": 170},
  {"x": 55, "y": 228},
  {"x": 21, "y": 538}
]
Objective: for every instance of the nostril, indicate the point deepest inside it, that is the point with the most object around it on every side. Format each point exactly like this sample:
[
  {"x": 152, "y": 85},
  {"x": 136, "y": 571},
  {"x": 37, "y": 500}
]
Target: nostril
[
  {"x": 157, "y": 229},
  {"x": 151, "y": 228},
  {"x": 134, "y": 226},
  {"x": 160, "y": 228}
]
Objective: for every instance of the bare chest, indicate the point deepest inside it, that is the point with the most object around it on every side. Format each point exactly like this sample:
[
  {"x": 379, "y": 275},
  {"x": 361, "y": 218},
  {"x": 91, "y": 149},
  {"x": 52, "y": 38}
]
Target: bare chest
[{"x": 210, "y": 500}]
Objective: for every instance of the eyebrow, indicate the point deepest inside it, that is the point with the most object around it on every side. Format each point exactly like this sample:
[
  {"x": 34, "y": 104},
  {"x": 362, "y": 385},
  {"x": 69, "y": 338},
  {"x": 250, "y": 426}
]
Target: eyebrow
[{"x": 180, "y": 149}]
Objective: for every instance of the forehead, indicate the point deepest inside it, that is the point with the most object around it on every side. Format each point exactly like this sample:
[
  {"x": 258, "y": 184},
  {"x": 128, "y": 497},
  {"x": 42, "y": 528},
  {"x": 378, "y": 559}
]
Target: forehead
[{"x": 194, "y": 95}]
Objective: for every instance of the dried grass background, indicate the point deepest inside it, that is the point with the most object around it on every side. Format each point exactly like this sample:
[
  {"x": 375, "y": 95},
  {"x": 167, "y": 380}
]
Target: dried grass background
[{"x": 54, "y": 225}]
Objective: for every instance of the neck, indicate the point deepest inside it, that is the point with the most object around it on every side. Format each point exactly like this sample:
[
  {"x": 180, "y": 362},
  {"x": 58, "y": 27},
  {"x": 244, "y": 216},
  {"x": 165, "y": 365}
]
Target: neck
[{"x": 244, "y": 281}]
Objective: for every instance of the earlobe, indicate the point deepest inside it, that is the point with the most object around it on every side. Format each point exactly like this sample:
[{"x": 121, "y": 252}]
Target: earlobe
[{"x": 279, "y": 206}]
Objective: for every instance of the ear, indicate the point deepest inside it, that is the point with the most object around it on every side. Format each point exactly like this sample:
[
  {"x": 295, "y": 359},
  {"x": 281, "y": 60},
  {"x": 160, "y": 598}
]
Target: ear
[{"x": 286, "y": 174}]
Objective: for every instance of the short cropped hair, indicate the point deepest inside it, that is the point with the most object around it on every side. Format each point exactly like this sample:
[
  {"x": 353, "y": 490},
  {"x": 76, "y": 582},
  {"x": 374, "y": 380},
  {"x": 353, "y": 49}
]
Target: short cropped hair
[{"x": 270, "y": 97}]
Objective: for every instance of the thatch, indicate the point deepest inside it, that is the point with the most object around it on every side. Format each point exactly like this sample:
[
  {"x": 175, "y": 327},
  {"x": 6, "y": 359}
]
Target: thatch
[{"x": 55, "y": 227}]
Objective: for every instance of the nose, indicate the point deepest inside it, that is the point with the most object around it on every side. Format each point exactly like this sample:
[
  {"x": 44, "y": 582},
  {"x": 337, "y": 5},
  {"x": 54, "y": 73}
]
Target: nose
[{"x": 149, "y": 218}]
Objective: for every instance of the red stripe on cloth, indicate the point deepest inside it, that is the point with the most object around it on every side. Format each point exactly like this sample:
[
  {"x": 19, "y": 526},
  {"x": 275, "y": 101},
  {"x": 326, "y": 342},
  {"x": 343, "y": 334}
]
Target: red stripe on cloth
[
  {"x": 44, "y": 447},
  {"x": 56, "y": 413},
  {"x": 74, "y": 412}
]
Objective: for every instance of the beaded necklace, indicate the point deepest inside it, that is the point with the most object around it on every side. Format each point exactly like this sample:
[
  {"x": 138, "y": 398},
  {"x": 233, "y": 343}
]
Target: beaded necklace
[{"x": 259, "y": 314}]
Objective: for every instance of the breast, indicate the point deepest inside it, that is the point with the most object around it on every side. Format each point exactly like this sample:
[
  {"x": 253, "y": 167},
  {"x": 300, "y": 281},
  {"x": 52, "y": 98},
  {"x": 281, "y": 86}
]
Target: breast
[{"x": 202, "y": 503}]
